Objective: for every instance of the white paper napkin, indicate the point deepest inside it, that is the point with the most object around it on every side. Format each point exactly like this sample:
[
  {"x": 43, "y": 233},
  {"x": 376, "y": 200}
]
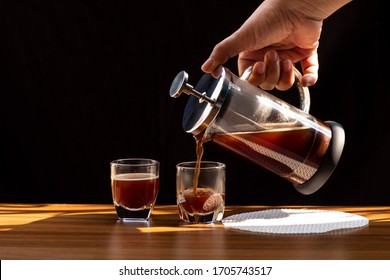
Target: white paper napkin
[{"x": 294, "y": 221}]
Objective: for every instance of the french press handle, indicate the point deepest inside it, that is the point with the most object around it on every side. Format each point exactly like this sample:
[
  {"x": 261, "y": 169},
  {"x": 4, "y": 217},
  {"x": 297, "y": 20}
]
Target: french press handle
[{"x": 304, "y": 94}]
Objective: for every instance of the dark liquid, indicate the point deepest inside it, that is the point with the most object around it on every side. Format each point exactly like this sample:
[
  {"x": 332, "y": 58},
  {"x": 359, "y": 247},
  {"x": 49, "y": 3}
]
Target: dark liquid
[
  {"x": 135, "y": 190},
  {"x": 294, "y": 154},
  {"x": 204, "y": 206},
  {"x": 203, "y": 201},
  {"x": 199, "y": 154}
]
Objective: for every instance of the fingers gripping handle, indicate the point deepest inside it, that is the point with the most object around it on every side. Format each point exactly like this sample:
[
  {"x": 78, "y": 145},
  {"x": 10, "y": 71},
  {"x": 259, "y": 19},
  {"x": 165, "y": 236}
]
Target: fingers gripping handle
[{"x": 304, "y": 94}]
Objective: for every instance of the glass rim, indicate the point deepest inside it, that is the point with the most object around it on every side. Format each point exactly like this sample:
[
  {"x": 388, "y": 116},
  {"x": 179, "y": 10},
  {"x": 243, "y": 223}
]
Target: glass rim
[
  {"x": 207, "y": 164},
  {"x": 135, "y": 162}
]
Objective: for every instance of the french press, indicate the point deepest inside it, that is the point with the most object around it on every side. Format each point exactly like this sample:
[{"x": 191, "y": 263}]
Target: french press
[{"x": 258, "y": 126}]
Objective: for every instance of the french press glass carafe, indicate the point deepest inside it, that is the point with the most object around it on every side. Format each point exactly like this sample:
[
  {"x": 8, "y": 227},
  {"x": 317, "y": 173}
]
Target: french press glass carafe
[{"x": 258, "y": 126}]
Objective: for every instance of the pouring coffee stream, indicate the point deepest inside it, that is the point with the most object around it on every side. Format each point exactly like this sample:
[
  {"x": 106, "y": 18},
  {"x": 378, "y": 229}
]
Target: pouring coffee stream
[
  {"x": 261, "y": 127},
  {"x": 199, "y": 154}
]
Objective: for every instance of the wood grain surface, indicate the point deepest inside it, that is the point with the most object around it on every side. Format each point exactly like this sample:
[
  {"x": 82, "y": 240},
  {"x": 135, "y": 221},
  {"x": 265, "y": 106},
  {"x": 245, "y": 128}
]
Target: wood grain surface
[{"x": 92, "y": 231}]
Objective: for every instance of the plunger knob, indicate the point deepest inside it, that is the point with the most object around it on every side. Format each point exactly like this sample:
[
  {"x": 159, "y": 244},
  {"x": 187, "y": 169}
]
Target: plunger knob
[{"x": 180, "y": 85}]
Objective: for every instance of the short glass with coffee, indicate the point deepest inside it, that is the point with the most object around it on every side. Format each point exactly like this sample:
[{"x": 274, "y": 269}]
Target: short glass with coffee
[
  {"x": 200, "y": 191},
  {"x": 134, "y": 185}
]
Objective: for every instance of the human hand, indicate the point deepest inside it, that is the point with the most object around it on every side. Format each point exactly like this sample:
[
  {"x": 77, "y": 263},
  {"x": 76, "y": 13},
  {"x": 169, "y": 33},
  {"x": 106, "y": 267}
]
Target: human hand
[{"x": 275, "y": 37}]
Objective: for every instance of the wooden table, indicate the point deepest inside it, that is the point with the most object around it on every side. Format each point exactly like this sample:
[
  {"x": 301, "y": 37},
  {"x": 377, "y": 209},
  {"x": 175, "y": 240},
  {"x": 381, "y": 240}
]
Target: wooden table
[{"x": 70, "y": 231}]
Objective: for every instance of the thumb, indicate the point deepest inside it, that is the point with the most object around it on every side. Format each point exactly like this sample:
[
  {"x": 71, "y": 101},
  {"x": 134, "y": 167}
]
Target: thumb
[
  {"x": 257, "y": 32},
  {"x": 223, "y": 51}
]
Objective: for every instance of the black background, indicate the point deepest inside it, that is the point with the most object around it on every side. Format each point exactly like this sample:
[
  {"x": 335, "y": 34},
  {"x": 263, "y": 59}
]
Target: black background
[{"x": 86, "y": 82}]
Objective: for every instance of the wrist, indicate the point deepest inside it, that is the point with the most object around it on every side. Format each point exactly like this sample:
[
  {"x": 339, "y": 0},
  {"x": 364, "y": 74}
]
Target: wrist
[{"x": 314, "y": 9}]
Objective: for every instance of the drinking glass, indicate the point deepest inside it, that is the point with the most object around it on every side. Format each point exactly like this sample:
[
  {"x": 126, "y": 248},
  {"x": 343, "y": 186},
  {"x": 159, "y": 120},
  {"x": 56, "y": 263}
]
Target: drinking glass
[
  {"x": 200, "y": 191},
  {"x": 134, "y": 186}
]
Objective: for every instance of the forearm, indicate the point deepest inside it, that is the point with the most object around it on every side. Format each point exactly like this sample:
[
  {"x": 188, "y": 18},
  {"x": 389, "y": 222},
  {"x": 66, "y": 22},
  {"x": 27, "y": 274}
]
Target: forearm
[{"x": 315, "y": 9}]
